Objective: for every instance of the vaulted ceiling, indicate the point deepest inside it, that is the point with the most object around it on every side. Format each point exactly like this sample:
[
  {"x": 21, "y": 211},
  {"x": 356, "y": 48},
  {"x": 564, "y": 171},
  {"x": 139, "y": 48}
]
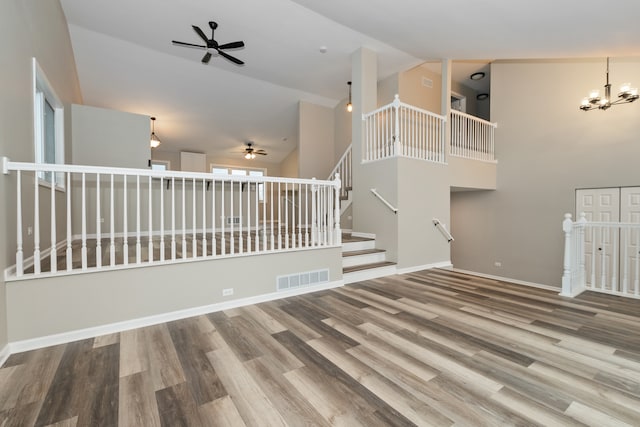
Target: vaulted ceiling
[{"x": 126, "y": 60}]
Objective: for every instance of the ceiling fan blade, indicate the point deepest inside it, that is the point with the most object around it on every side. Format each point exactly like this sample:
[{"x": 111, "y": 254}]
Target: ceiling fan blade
[
  {"x": 232, "y": 45},
  {"x": 206, "y": 58},
  {"x": 201, "y": 34},
  {"x": 187, "y": 44},
  {"x": 230, "y": 58},
  {"x": 264, "y": 153}
]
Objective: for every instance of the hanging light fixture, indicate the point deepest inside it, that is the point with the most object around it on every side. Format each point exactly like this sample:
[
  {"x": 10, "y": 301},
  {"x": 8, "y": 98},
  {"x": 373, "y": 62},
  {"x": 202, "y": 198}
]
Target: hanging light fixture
[
  {"x": 594, "y": 100},
  {"x": 154, "y": 142},
  {"x": 349, "y": 105}
]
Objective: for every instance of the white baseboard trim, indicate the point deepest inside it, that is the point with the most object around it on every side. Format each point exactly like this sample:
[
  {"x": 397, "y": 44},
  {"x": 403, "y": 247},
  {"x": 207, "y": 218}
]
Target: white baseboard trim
[
  {"x": 66, "y": 337},
  {"x": 573, "y": 294},
  {"x": 4, "y": 354},
  {"x": 364, "y": 235},
  {"x": 442, "y": 264},
  {"x": 508, "y": 279}
]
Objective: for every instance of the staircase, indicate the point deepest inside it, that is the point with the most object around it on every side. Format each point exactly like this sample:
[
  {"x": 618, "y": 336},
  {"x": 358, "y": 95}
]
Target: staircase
[{"x": 361, "y": 260}]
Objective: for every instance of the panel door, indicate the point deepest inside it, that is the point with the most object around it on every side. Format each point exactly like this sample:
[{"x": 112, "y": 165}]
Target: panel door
[
  {"x": 630, "y": 240},
  {"x": 600, "y": 205}
]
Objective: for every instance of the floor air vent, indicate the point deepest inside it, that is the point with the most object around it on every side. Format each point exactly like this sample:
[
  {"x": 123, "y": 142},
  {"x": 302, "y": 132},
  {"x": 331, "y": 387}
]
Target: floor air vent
[{"x": 301, "y": 280}]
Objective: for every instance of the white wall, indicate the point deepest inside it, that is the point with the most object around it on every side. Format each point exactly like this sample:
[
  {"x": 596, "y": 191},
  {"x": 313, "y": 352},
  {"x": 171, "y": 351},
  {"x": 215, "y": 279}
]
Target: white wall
[
  {"x": 28, "y": 28},
  {"x": 546, "y": 148}
]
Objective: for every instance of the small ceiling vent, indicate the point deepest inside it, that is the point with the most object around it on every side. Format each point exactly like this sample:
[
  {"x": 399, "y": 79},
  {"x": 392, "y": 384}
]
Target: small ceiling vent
[{"x": 426, "y": 82}]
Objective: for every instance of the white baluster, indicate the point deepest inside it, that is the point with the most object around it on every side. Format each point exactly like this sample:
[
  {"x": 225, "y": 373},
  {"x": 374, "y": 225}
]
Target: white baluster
[
  {"x": 53, "y": 259},
  {"x": 223, "y": 243},
  {"x": 19, "y": 253},
  {"x": 150, "y": 220},
  {"x": 306, "y": 215},
  {"x": 138, "y": 242},
  {"x": 194, "y": 239},
  {"x": 214, "y": 241},
  {"x": 98, "y": 225},
  {"x": 184, "y": 220},
  {"x": 240, "y": 237},
  {"x": 286, "y": 215},
  {"x": 162, "y": 218},
  {"x": 257, "y": 213},
  {"x": 232, "y": 247},
  {"x": 204, "y": 217},
  {"x": 125, "y": 244},
  {"x": 271, "y": 218},
  {"x": 279, "y": 217},
  {"x": 299, "y": 215},
  {"x": 36, "y": 226},
  {"x": 69, "y": 251},
  {"x": 173, "y": 218},
  {"x": 248, "y": 186},
  {"x": 636, "y": 280},
  {"x": 314, "y": 215},
  {"x": 112, "y": 246},
  {"x": 337, "y": 240},
  {"x": 84, "y": 223}
]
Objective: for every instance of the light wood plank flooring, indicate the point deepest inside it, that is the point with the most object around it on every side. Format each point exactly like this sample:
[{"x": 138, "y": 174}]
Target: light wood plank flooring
[{"x": 428, "y": 348}]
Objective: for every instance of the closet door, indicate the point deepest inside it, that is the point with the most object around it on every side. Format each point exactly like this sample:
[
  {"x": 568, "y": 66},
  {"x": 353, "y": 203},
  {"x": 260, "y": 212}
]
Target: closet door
[
  {"x": 600, "y": 205},
  {"x": 630, "y": 240}
]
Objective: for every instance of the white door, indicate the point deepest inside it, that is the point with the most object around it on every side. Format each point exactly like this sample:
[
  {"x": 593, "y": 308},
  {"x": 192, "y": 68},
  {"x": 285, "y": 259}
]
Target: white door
[
  {"x": 600, "y": 205},
  {"x": 630, "y": 241}
]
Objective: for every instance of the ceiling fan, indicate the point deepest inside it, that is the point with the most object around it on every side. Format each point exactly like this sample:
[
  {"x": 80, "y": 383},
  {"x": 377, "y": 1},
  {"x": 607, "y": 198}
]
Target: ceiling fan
[
  {"x": 250, "y": 152},
  {"x": 212, "y": 44}
]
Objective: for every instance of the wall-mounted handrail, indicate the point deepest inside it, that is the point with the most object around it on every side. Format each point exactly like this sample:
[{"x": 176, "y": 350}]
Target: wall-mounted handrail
[
  {"x": 443, "y": 230},
  {"x": 383, "y": 200}
]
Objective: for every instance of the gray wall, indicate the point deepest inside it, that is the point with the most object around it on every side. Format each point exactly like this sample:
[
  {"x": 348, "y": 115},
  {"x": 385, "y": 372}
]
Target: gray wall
[
  {"x": 315, "y": 141},
  {"x": 28, "y": 28},
  {"x": 546, "y": 148},
  {"x": 110, "y": 138}
]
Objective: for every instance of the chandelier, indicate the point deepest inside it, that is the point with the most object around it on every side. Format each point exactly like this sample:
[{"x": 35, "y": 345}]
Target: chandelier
[{"x": 626, "y": 94}]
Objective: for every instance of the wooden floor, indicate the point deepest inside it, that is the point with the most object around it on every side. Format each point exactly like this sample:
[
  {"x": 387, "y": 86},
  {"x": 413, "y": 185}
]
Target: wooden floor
[{"x": 427, "y": 348}]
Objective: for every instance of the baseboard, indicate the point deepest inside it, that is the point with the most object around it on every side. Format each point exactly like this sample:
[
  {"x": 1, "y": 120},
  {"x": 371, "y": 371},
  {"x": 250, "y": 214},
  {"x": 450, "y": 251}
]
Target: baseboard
[
  {"x": 4, "y": 354},
  {"x": 364, "y": 235},
  {"x": 66, "y": 337},
  {"x": 573, "y": 294},
  {"x": 442, "y": 264},
  {"x": 508, "y": 279}
]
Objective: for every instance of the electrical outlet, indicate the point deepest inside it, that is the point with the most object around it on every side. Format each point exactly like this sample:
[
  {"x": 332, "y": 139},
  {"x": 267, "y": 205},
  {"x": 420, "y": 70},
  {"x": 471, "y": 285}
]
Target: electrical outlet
[
  {"x": 227, "y": 292},
  {"x": 497, "y": 264},
  {"x": 29, "y": 230}
]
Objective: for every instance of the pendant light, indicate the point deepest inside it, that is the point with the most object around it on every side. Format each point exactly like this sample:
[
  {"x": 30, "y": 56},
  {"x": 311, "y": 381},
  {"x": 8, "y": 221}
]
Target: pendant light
[
  {"x": 154, "y": 142},
  {"x": 594, "y": 101},
  {"x": 349, "y": 105}
]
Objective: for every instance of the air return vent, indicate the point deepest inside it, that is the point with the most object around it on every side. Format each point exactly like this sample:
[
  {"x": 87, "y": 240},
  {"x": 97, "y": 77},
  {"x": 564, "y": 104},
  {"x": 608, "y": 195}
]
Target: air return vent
[
  {"x": 427, "y": 82},
  {"x": 301, "y": 280},
  {"x": 235, "y": 220}
]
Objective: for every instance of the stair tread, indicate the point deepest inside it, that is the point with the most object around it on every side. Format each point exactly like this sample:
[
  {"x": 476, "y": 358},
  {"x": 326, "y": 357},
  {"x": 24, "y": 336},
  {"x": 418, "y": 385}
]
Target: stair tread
[
  {"x": 367, "y": 266},
  {"x": 346, "y": 238},
  {"x": 362, "y": 252}
]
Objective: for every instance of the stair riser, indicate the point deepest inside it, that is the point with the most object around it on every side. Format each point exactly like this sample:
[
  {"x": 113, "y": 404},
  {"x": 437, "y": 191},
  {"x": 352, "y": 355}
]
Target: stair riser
[
  {"x": 351, "y": 261},
  {"x": 372, "y": 273},
  {"x": 358, "y": 246}
]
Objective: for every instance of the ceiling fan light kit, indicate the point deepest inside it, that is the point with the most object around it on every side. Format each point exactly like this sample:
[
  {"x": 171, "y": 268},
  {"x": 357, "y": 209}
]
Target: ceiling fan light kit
[
  {"x": 627, "y": 94},
  {"x": 250, "y": 152},
  {"x": 212, "y": 44}
]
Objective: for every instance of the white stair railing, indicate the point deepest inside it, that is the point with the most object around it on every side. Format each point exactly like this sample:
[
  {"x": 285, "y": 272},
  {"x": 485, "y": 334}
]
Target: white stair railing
[
  {"x": 114, "y": 217},
  {"x": 384, "y": 201},
  {"x": 472, "y": 137},
  {"x": 343, "y": 168},
  {"x": 399, "y": 129},
  {"x": 601, "y": 256},
  {"x": 443, "y": 229}
]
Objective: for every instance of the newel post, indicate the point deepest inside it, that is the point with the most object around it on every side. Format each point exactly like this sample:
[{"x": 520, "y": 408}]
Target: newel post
[
  {"x": 396, "y": 125},
  {"x": 337, "y": 237},
  {"x": 567, "y": 227}
]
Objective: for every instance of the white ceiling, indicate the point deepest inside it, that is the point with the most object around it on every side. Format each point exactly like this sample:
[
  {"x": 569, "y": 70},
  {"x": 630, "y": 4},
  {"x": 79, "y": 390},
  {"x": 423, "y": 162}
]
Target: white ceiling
[{"x": 126, "y": 60}]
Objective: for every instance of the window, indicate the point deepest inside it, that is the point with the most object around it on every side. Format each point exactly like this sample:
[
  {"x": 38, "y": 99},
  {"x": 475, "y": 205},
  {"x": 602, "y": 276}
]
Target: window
[
  {"x": 48, "y": 123},
  {"x": 232, "y": 170},
  {"x": 160, "y": 165}
]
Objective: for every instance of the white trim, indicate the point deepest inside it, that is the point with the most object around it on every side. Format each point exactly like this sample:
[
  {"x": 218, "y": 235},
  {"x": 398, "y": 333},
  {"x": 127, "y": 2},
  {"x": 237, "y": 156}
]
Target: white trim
[
  {"x": 608, "y": 292},
  {"x": 66, "y": 337},
  {"x": 576, "y": 292},
  {"x": 442, "y": 264},
  {"x": 4, "y": 354},
  {"x": 508, "y": 279},
  {"x": 368, "y": 274},
  {"x": 363, "y": 235}
]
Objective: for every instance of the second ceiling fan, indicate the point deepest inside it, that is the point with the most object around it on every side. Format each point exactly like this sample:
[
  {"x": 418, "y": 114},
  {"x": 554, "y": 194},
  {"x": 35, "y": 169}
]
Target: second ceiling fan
[{"x": 213, "y": 44}]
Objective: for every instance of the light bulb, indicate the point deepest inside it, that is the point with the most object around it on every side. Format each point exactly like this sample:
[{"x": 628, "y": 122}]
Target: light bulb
[
  {"x": 594, "y": 94},
  {"x": 349, "y": 107},
  {"x": 247, "y": 156},
  {"x": 626, "y": 87}
]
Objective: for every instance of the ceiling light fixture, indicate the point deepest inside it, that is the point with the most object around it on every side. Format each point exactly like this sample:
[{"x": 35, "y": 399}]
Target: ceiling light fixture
[
  {"x": 154, "y": 142},
  {"x": 482, "y": 96},
  {"x": 477, "y": 76},
  {"x": 349, "y": 105},
  {"x": 249, "y": 156},
  {"x": 593, "y": 101}
]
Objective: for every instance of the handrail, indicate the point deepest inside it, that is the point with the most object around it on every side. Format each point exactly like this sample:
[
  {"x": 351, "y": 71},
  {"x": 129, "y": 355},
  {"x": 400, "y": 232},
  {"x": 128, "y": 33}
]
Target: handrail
[
  {"x": 474, "y": 118},
  {"x": 383, "y": 200},
  {"x": 443, "y": 230}
]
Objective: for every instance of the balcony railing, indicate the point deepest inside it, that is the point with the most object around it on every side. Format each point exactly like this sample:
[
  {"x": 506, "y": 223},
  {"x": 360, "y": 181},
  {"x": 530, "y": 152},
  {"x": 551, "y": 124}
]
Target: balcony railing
[
  {"x": 115, "y": 217},
  {"x": 472, "y": 137},
  {"x": 399, "y": 129}
]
